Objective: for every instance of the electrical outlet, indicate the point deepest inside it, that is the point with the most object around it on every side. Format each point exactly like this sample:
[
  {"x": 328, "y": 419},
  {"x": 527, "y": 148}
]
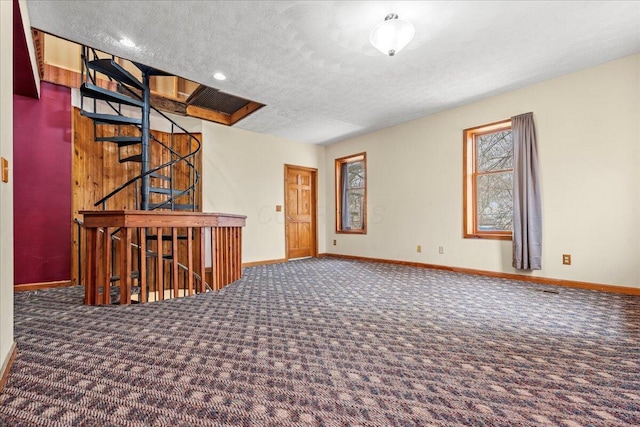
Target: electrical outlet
[
  {"x": 335, "y": 242},
  {"x": 419, "y": 248},
  {"x": 440, "y": 249},
  {"x": 566, "y": 259}
]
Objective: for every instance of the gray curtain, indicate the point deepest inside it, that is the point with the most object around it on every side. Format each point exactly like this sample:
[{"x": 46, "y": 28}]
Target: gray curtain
[
  {"x": 344, "y": 211},
  {"x": 527, "y": 209}
]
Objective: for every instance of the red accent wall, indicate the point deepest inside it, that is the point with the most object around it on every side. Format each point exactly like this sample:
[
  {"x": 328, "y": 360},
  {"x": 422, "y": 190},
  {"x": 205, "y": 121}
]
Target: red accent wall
[{"x": 42, "y": 185}]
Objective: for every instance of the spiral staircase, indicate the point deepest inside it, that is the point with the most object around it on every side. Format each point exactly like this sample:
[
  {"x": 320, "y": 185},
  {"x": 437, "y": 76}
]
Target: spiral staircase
[{"x": 127, "y": 109}]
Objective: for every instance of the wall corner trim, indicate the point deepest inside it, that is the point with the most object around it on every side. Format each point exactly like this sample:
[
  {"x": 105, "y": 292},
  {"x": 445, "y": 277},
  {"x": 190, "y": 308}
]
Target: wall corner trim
[
  {"x": 23, "y": 287},
  {"x": 265, "y": 262}
]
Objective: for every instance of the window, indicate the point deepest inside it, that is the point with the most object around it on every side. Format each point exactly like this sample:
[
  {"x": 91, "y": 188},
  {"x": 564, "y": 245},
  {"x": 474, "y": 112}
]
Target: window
[
  {"x": 488, "y": 181},
  {"x": 351, "y": 194}
]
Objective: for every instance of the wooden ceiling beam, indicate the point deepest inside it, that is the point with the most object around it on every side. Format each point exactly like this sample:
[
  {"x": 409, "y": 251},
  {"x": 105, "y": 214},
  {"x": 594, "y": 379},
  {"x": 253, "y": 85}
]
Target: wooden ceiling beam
[
  {"x": 245, "y": 111},
  {"x": 210, "y": 115}
]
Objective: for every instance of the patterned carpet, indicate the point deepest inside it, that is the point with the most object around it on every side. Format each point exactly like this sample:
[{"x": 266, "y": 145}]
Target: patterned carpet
[{"x": 331, "y": 342}]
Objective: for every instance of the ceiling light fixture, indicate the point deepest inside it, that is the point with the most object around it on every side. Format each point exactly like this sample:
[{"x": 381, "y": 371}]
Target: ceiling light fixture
[
  {"x": 392, "y": 35},
  {"x": 219, "y": 76},
  {"x": 126, "y": 42}
]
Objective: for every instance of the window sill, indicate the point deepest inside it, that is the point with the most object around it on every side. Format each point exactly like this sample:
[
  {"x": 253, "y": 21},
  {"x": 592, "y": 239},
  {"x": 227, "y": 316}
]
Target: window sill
[
  {"x": 351, "y": 231},
  {"x": 489, "y": 236}
]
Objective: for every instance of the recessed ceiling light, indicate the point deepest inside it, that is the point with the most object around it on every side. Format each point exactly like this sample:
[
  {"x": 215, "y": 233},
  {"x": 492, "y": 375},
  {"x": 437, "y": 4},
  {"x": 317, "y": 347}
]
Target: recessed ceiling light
[
  {"x": 219, "y": 76},
  {"x": 126, "y": 42}
]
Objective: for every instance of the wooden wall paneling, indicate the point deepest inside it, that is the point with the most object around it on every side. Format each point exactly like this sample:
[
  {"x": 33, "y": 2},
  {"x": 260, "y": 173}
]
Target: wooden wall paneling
[
  {"x": 186, "y": 174},
  {"x": 61, "y": 76},
  {"x": 127, "y": 198},
  {"x": 94, "y": 170},
  {"x": 110, "y": 168},
  {"x": 181, "y": 171},
  {"x": 158, "y": 156},
  {"x": 77, "y": 199}
]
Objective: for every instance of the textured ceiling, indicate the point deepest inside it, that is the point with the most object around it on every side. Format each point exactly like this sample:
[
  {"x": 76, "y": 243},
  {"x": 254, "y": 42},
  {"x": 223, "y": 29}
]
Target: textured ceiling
[{"x": 311, "y": 62}]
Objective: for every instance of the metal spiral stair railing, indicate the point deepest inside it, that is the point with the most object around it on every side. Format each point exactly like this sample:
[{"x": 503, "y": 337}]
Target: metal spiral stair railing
[{"x": 90, "y": 89}]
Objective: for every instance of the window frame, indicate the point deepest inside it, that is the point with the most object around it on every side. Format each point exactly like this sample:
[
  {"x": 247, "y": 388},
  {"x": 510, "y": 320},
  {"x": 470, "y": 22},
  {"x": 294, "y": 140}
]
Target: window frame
[
  {"x": 338, "y": 192},
  {"x": 470, "y": 175}
]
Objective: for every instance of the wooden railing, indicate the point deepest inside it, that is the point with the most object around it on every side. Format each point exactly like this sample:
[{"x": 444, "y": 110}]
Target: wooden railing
[{"x": 144, "y": 256}]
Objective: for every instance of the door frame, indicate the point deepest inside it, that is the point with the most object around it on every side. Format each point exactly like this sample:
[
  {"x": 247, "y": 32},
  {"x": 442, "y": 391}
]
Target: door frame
[{"x": 314, "y": 209}]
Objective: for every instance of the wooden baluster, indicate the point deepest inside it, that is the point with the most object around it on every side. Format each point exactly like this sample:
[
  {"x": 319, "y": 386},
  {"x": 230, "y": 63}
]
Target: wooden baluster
[
  {"x": 229, "y": 256},
  {"x": 219, "y": 258},
  {"x": 91, "y": 273},
  {"x": 232, "y": 254},
  {"x": 190, "y": 260},
  {"x": 225, "y": 256},
  {"x": 106, "y": 278},
  {"x": 214, "y": 259},
  {"x": 238, "y": 253},
  {"x": 125, "y": 266},
  {"x": 240, "y": 250},
  {"x": 222, "y": 257},
  {"x": 174, "y": 258},
  {"x": 203, "y": 268},
  {"x": 159, "y": 267},
  {"x": 143, "y": 265}
]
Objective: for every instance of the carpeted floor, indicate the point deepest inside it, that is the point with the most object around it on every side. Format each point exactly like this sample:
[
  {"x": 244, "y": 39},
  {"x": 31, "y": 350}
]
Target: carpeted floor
[{"x": 331, "y": 342}]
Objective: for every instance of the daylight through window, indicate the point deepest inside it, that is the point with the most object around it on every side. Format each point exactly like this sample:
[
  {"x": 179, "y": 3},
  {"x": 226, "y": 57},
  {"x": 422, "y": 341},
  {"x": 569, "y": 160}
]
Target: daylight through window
[
  {"x": 351, "y": 194},
  {"x": 488, "y": 178}
]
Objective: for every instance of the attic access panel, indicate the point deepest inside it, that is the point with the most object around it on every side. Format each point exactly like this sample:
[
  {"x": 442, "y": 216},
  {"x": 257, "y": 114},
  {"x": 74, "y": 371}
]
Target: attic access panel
[{"x": 214, "y": 99}]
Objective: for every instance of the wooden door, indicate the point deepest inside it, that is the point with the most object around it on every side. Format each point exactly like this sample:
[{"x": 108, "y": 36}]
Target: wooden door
[{"x": 300, "y": 211}]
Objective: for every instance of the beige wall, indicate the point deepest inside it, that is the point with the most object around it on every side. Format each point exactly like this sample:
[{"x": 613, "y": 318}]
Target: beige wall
[
  {"x": 6, "y": 189},
  {"x": 62, "y": 53},
  {"x": 243, "y": 173},
  {"x": 589, "y": 149}
]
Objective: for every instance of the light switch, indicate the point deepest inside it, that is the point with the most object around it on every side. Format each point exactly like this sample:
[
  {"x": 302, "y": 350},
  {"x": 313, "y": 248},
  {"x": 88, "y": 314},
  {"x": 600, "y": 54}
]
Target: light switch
[{"x": 5, "y": 169}]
